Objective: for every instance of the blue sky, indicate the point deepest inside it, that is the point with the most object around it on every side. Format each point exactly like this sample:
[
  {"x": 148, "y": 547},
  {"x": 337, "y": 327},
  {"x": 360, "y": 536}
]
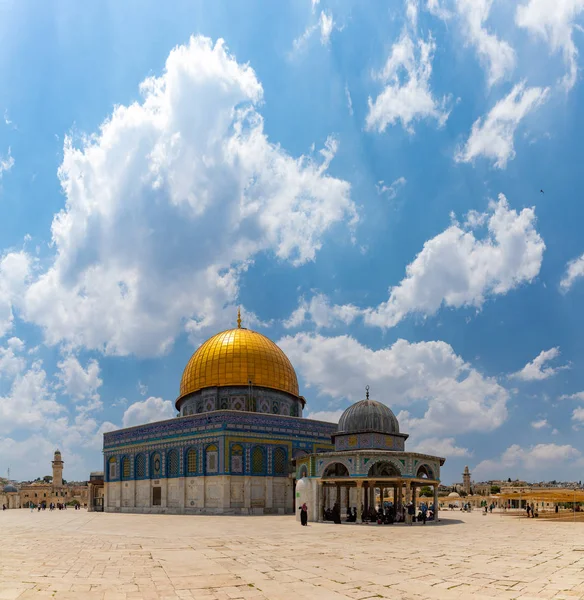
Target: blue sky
[{"x": 362, "y": 178}]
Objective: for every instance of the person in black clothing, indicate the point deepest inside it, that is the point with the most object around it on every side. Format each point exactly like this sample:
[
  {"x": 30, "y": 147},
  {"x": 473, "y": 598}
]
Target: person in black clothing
[{"x": 304, "y": 514}]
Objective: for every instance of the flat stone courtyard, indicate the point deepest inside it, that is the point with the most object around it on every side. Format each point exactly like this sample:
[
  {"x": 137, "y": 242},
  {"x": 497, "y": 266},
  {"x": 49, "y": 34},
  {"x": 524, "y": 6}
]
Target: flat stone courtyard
[{"x": 75, "y": 554}]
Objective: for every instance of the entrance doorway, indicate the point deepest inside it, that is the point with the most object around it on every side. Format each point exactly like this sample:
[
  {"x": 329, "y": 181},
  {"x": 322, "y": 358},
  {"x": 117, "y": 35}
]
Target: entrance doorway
[{"x": 156, "y": 496}]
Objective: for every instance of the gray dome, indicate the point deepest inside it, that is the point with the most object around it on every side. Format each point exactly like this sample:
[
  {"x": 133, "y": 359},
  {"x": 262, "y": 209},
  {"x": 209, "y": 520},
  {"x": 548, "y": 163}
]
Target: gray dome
[
  {"x": 9, "y": 488},
  {"x": 368, "y": 416}
]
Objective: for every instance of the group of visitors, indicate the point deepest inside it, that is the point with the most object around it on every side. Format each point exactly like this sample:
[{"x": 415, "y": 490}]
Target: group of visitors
[
  {"x": 531, "y": 511},
  {"x": 388, "y": 514},
  {"x": 52, "y": 506}
]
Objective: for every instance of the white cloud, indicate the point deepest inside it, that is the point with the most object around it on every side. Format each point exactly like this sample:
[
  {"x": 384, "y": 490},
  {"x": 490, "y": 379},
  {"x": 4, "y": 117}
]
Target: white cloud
[
  {"x": 579, "y": 396},
  {"x": 349, "y": 100},
  {"x": 427, "y": 377},
  {"x": 12, "y": 362},
  {"x": 79, "y": 383},
  {"x": 391, "y": 190},
  {"x": 457, "y": 269},
  {"x": 28, "y": 458},
  {"x": 142, "y": 388},
  {"x": 326, "y": 24},
  {"x": 148, "y": 411},
  {"x": 492, "y": 137},
  {"x": 406, "y": 96},
  {"x": 322, "y": 313},
  {"x": 437, "y": 9},
  {"x": 95, "y": 441},
  {"x": 331, "y": 416},
  {"x": 540, "y": 424},
  {"x": 555, "y": 24},
  {"x": 578, "y": 415},
  {"x": 536, "y": 369},
  {"x": 445, "y": 447},
  {"x": 412, "y": 12},
  {"x": 14, "y": 274},
  {"x": 169, "y": 202},
  {"x": 496, "y": 54},
  {"x": 6, "y": 163},
  {"x": 574, "y": 271},
  {"x": 541, "y": 459},
  {"x": 30, "y": 401}
]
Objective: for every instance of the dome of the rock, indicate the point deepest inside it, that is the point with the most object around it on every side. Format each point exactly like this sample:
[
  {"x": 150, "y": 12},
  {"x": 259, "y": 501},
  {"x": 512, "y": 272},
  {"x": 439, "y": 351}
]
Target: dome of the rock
[{"x": 237, "y": 357}]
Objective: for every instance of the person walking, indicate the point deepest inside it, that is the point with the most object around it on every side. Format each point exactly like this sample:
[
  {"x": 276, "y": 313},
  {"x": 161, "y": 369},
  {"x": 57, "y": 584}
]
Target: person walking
[{"x": 304, "y": 515}]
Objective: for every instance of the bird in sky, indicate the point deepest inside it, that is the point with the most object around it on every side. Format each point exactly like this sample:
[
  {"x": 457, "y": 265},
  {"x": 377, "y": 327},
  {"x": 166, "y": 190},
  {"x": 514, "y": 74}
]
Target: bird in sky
[{"x": 541, "y": 191}]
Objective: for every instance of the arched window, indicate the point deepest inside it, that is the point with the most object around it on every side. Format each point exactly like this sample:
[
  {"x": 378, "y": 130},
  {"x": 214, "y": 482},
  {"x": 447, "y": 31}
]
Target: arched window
[
  {"x": 280, "y": 462},
  {"x": 173, "y": 463},
  {"x": 155, "y": 465},
  {"x": 125, "y": 468},
  {"x": 258, "y": 462},
  {"x": 237, "y": 458},
  {"x": 140, "y": 466},
  {"x": 112, "y": 471},
  {"x": 211, "y": 455},
  {"x": 191, "y": 461}
]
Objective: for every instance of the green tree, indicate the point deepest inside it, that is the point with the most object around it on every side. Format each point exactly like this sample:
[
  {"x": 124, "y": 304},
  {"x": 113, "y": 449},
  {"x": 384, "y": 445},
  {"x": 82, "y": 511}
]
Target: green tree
[
  {"x": 495, "y": 489},
  {"x": 426, "y": 491},
  {"x": 463, "y": 494}
]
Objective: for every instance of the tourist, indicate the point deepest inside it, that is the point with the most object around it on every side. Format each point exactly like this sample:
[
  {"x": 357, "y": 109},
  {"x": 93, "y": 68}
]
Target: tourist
[
  {"x": 303, "y": 514},
  {"x": 4, "y": 507},
  {"x": 336, "y": 514},
  {"x": 411, "y": 512},
  {"x": 31, "y": 506},
  {"x": 528, "y": 508},
  {"x": 424, "y": 513}
]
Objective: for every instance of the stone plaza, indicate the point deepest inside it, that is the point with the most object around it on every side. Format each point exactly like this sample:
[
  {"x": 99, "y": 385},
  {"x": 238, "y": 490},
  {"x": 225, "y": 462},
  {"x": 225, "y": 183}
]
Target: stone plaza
[{"x": 77, "y": 554}]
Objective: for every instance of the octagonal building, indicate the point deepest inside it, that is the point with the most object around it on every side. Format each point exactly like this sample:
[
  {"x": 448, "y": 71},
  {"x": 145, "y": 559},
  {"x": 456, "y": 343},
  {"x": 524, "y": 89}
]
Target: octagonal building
[{"x": 231, "y": 447}]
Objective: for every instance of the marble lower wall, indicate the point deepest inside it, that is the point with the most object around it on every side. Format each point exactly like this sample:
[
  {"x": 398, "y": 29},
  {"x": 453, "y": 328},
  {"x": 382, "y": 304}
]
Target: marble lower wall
[{"x": 202, "y": 495}]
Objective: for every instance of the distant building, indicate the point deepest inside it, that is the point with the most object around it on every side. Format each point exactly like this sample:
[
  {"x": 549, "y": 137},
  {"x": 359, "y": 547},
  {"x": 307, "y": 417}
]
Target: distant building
[{"x": 56, "y": 491}]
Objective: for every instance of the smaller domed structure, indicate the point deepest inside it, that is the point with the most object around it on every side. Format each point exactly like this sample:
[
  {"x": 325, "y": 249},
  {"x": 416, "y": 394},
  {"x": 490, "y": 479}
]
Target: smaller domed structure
[
  {"x": 368, "y": 416},
  {"x": 454, "y": 495},
  {"x": 369, "y": 424},
  {"x": 9, "y": 489}
]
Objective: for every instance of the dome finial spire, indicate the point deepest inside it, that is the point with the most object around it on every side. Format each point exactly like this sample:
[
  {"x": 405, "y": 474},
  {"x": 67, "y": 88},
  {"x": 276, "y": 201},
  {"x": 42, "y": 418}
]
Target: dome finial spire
[
  {"x": 238, "y": 317},
  {"x": 367, "y": 392}
]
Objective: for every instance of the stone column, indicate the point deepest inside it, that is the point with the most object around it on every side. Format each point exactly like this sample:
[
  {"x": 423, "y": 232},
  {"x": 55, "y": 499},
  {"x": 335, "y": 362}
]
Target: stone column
[
  {"x": 435, "y": 503},
  {"x": 347, "y": 501},
  {"x": 319, "y": 501},
  {"x": 269, "y": 488},
  {"x": 395, "y": 496},
  {"x": 366, "y": 499},
  {"x": 247, "y": 492},
  {"x": 359, "y": 501},
  {"x": 414, "y": 489},
  {"x": 90, "y": 497}
]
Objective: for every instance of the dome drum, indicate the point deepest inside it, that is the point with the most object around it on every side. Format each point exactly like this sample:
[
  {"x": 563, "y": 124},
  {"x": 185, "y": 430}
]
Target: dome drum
[{"x": 240, "y": 398}]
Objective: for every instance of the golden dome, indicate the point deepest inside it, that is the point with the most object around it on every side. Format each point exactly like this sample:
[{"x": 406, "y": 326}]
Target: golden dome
[{"x": 234, "y": 357}]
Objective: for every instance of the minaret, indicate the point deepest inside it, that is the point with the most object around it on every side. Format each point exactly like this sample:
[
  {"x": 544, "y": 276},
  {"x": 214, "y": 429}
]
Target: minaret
[
  {"x": 466, "y": 480},
  {"x": 57, "y": 470}
]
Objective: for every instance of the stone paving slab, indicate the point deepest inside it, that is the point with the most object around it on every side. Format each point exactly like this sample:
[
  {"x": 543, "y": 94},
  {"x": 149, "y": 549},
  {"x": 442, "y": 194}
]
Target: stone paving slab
[{"x": 75, "y": 554}]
